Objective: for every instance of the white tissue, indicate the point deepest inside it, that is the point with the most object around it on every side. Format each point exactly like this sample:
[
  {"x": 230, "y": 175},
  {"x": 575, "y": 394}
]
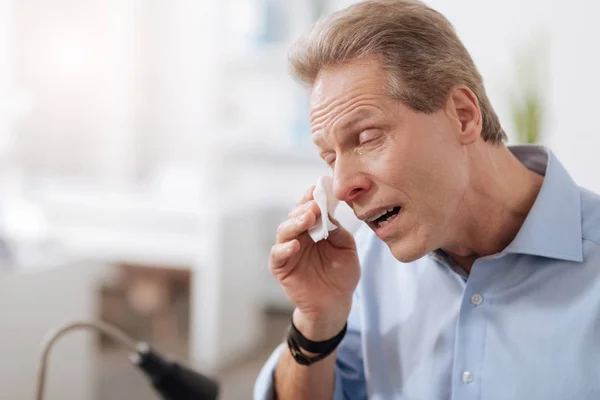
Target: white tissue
[{"x": 323, "y": 195}]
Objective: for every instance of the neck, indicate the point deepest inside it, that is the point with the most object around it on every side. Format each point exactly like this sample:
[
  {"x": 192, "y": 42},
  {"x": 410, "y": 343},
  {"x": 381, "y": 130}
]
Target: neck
[{"x": 500, "y": 193}]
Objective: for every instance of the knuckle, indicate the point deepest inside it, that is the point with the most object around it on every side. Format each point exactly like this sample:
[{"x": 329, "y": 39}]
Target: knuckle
[
  {"x": 272, "y": 261},
  {"x": 280, "y": 229},
  {"x": 272, "y": 269},
  {"x": 276, "y": 252}
]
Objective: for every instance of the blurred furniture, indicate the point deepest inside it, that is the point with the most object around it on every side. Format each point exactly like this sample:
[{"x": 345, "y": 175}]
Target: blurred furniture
[
  {"x": 216, "y": 243},
  {"x": 151, "y": 304},
  {"x": 34, "y": 300}
]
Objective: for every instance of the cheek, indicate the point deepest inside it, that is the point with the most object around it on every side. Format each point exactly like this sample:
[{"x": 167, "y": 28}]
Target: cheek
[
  {"x": 432, "y": 181},
  {"x": 419, "y": 166},
  {"x": 396, "y": 165},
  {"x": 408, "y": 168},
  {"x": 377, "y": 161}
]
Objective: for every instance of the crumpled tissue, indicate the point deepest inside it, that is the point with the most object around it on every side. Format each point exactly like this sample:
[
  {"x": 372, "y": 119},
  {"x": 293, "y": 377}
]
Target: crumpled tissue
[{"x": 323, "y": 195}]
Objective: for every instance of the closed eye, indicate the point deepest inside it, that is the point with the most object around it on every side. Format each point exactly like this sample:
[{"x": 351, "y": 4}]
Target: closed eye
[
  {"x": 329, "y": 159},
  {"x": 369, "y": 135}
]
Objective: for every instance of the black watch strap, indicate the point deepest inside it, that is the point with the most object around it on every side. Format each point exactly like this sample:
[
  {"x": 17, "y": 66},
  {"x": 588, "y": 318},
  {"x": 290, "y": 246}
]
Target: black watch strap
[{"x": 298, "y": 342}]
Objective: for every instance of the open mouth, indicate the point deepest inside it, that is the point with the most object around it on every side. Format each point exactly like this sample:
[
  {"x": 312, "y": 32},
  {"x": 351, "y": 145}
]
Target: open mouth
[{"x": 384, "y": 218}]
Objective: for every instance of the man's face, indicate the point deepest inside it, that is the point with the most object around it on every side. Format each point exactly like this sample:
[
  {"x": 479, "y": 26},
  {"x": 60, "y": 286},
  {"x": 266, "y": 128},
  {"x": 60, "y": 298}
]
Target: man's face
[{"x": 402, "y": 172}]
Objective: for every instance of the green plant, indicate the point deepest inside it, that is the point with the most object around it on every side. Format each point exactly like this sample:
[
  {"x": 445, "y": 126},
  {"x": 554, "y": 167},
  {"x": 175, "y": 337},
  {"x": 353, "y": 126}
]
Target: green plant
[
  {"x": 527, "y": 118},
  {"x": 527, "y": 106}
]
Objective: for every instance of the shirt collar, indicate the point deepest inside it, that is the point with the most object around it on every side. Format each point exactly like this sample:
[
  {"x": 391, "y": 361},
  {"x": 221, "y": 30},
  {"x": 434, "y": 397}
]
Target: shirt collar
[{"x": 553, "y": 226}]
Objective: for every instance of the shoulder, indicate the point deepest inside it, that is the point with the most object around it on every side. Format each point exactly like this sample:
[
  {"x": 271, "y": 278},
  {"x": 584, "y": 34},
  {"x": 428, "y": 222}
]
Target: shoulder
[{"x": 590, "y": 216}]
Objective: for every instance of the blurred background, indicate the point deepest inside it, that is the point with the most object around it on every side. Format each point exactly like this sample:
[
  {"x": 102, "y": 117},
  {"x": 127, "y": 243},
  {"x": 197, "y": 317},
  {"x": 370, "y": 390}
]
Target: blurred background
[{"x": 149, "y": 149}]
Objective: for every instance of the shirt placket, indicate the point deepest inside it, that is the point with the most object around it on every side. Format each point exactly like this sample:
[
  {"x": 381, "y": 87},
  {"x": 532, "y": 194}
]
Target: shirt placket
[{"x": 469, "y": 346}]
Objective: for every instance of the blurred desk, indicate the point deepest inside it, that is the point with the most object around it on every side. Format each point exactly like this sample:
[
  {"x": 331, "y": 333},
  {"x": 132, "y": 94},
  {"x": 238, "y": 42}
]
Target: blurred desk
[{"x": 219, "y": 244}]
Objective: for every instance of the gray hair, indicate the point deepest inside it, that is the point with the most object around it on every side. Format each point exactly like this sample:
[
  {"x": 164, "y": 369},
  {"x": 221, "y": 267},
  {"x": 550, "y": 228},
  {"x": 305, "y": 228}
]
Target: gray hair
[{"x": 418, "y": 47}]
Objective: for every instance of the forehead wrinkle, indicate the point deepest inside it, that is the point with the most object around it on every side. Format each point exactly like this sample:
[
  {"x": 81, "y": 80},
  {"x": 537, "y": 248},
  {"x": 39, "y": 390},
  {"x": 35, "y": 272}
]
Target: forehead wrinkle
[
  {"x": 331, "y": 113},
  {"x": 352, "y": 116},
  {"x": 322, "y": 113},
  {"x": 322, "y": 109},
  {"x": 347, "y": 87}
]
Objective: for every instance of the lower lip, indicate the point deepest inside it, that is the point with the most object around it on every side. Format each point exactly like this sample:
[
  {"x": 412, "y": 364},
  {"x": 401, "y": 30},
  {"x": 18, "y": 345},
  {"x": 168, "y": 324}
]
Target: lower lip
[{"x": 385, "y": 231}]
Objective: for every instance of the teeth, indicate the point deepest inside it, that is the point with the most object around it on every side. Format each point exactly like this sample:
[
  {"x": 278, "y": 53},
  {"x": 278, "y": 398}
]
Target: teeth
[
  {"x": 384, "y": 223},
  {"x": 373, "y": 218}
]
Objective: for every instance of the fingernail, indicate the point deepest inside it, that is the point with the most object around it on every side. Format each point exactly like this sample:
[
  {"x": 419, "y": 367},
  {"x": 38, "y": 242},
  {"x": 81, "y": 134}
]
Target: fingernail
[
  {"x": 288, "y": 247},
  {"x": 301, "y": 219}
]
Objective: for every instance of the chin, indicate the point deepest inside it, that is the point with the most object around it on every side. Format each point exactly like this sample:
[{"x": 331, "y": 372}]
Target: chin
[{"x": 407, "y": 251}]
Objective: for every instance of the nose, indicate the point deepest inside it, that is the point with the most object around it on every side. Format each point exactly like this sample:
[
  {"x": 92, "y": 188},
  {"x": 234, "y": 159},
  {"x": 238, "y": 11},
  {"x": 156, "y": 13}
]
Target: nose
[{"x": 348, "y": 181}]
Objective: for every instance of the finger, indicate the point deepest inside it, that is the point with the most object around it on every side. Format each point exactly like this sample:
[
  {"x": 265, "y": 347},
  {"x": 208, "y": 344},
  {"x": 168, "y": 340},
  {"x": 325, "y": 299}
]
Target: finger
[
  {"x": 301, "y": 209},
  {"x": 281, "y": 253},
  {"x": 293, "y": 227},
  {"x": 341, "y": 237},
  {"x": 308, "y": 195},
  {"x": 335, "y": 221}
]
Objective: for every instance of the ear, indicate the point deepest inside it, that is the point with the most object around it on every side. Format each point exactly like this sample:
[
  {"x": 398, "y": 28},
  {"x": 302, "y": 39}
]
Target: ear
[{"x": 463, "y": 109}]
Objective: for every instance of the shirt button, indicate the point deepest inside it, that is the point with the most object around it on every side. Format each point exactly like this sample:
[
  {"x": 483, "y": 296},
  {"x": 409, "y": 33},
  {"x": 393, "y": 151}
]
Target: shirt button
[
  {"x": 467, "y": 377},
  {"x": 476, "y": 299}
]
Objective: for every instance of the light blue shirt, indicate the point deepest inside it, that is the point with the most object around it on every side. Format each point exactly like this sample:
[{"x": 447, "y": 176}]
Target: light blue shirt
[{"x": 524, "y": 325}]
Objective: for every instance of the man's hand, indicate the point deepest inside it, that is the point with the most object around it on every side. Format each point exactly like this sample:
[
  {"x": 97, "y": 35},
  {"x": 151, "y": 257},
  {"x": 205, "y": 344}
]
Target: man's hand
[{"x": 319, "y": 278}]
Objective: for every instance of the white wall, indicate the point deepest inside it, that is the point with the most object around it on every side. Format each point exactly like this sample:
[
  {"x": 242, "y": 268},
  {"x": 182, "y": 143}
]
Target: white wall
[
  {"x": 575, "y": 85},
  {"x": 6, "y": 107},
  {"x": 491, "y": 30}
]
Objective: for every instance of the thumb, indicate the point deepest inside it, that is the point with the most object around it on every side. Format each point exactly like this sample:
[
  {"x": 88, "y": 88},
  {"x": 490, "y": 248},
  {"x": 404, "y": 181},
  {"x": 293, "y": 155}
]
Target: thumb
[{"x": 340, "y": 237}]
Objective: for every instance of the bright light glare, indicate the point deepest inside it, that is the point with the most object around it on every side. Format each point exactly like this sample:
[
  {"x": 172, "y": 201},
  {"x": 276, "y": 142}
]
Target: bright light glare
[{"x": 70, "y": 57}]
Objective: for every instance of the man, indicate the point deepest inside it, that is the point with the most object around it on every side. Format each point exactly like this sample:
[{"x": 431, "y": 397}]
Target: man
[{"x": 477, "y": 272}]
